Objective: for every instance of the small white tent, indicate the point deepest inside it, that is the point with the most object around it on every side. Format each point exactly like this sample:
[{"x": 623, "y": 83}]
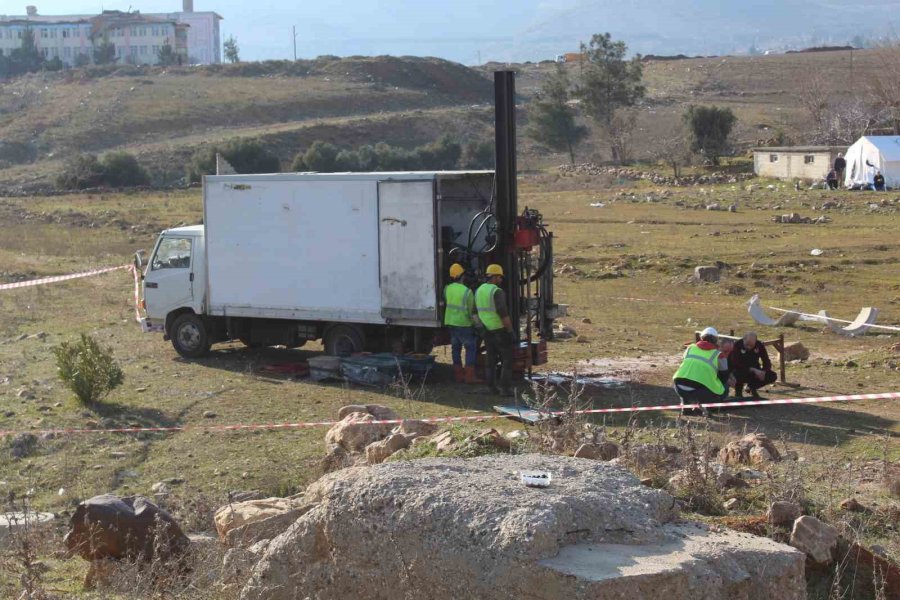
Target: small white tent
[{"x": 871, "y": 154}]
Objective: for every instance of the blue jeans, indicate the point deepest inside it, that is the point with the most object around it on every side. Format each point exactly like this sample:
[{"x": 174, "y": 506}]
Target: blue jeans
[{"x": 463, "y": 337}]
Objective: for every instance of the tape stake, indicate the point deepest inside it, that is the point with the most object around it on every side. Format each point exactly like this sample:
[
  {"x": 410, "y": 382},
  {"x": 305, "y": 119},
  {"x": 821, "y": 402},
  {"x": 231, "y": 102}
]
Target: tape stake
[{"x": 459, "y": 419}]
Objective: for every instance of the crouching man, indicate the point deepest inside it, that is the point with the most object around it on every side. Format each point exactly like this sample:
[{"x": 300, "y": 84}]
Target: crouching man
[
  {"x": 751, "y": 366},
  {"x": 699, "y": 380}
]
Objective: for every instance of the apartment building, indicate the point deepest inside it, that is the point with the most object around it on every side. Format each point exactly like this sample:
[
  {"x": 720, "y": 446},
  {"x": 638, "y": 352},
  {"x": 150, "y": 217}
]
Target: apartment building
[{"x": 137, "y": 37}]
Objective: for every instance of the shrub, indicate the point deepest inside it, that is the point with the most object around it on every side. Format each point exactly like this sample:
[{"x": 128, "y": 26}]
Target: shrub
[
  {"x": 247, "y": 156},
  {"x": 321, "y": 157},
  {"x": 116, "y": 169},
  {"x": 88, "y": 369},
  {"x": 121, "y": 169},
  {"x": 443, "y": 154},
  {"x": 82, "y": 171},
  {"x": 348, "y": 160},
  {"x": 478, "y": 155},
  {"x": 299, "y": 165}
]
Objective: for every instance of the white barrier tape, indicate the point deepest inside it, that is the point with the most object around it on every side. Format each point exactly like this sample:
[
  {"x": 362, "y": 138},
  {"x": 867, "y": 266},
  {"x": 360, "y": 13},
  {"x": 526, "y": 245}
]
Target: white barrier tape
[
  {"x": 659, "y": 301},
  {"x": 485, "y": 417},
  {"x": 59, "y": 278}
]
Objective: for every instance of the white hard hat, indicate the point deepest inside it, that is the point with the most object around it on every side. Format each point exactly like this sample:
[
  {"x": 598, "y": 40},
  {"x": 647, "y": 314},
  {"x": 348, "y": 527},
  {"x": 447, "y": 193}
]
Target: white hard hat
[{"x": 709, "y": 331}]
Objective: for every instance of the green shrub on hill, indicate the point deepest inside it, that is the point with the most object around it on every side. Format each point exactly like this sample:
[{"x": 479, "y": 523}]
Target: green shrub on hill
[
  {"x": 443, "y": 154},
  {"x": 115, "y": 169},
  {"x": 247, "y": 156}
]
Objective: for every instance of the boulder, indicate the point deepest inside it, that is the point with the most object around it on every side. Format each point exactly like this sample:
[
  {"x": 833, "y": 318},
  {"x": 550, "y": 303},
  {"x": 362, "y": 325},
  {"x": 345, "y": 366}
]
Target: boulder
[
  {"x": 852, "y": 505},
  {"x": 817, "y": 539},
  {"x": 603, "y": 451},
  {"x": 449, "y": 528},
  {"x": 795, "y": 351},
  {"x": 23, "y": 445},
  {"x": 355, "y": 431},
  {"x": 245, "y": 523},
  {"x": 783, "y": 513},
  {"x": 707, "y": 274},
  {"x": 133, "y": 528},
  {"x": 752, "y": 449},
  {"x": 381, "y": 413},
  {"x": 378, "y": 452},
  {"x": 416, "y": 428}
]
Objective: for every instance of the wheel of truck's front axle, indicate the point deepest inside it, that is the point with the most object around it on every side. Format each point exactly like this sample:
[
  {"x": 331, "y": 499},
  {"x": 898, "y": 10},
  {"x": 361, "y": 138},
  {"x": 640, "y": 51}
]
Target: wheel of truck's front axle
[
  {"x": 189, "y": 336},
  {"x": 344, "y": 340}
]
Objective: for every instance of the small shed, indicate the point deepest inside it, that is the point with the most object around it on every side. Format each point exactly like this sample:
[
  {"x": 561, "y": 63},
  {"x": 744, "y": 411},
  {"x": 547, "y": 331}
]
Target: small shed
[{"x": 794, "y": 162}]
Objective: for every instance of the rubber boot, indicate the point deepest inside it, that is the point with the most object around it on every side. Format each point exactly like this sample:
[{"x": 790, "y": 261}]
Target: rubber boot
[
  {"x": 472, "y": 376},
  {"x": 738, "y": 391},
  {"x": 459, "y": 374}
]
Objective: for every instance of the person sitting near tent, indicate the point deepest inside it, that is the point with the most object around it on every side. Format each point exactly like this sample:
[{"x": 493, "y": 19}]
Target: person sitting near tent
[
  {"x": 751, "y": 365},
  {"x": 879, "y": 182},
  {"x": 702, "y": 377},
  {"x": 832, "y": 180}
]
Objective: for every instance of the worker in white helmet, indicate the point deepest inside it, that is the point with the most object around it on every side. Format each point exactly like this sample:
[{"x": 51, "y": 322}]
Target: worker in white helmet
[{"x": 703, "y": 375}]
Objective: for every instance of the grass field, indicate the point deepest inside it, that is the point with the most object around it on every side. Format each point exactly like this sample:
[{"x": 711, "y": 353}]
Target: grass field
[{"x": 623, "y": 270}]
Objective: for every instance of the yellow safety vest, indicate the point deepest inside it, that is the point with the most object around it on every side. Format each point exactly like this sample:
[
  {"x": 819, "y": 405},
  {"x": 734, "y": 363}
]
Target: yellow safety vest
[
  {"x": 701, "y": 366},
  {"x": 487, "y": 311},
  {"x": 460, "y": 304}
]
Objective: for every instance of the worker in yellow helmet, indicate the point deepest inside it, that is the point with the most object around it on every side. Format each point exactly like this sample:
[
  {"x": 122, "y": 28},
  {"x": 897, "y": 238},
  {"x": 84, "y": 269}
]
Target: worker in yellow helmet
[
  {"x": 490, "y": 301},
  {"x": 459, "y": 318}
]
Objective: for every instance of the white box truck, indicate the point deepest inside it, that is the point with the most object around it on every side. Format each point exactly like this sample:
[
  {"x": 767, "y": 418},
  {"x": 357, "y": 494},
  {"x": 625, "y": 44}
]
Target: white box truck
[{"x": 358, "y": 260}]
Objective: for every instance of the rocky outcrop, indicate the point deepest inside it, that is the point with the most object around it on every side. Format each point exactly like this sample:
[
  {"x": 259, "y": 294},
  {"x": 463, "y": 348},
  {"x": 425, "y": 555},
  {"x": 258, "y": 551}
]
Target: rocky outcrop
[
  {"x": 783, "y": 513},
  {"x": 817, "y": 539},
  {"x": 243, "y": 524},
  {"x": 707, "y": 274},
  {"x": 441, "y": 529},
  {"x": 752, "y": 449},
  {"x": 795, "y": 351}
]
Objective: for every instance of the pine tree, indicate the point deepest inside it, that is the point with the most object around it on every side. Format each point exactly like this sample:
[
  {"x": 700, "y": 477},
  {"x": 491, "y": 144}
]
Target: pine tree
[{"x": 551, "y": 121}]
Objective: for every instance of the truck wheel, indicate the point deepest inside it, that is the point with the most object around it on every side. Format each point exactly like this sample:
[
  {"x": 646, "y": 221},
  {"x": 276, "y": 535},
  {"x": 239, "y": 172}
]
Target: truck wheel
[
  {"x": 189, "y": 336},
  {"x": 344, "y": 340}
]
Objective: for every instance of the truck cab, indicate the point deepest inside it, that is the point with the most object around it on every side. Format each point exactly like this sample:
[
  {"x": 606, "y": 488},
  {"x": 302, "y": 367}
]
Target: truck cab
[{"x": 175, "y": 283}]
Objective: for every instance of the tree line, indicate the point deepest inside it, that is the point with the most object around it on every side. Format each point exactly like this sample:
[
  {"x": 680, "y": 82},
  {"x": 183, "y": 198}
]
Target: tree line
[{"x": 120, "y": 169}]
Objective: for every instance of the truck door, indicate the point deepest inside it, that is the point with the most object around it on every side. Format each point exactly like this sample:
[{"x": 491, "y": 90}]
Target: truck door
[
  {"x": 169, "y": 280},
  {"x": 407, "y": 251}
]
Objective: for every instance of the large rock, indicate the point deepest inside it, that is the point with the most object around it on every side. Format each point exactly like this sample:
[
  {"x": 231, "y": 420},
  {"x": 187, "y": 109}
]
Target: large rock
[
  {"x": 783, "y": 513},
  {"x": 378, "y": 452},
  {"x": 133, "y": 528},
  {"x": 382, "y": 413},
  {"x": 795, "y": 351},
  {"x": 245, "y": 523},
  {"x": 817, "y": 539},
  {"x": 355, "y": 431},
  {"x": 752, "y": 449},
  {"x": 707, "y": 274},
  {"x": 441, "y": 529}
]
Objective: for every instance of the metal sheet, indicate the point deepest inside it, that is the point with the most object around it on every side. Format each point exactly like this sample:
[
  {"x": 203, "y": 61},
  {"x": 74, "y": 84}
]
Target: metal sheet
[
  {"x": 406, "y": 221},
  {"x": 285, "y": 246}
]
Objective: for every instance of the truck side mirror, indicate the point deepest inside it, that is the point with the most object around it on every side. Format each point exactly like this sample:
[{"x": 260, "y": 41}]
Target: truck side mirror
[{"x": 139, "y": 262}]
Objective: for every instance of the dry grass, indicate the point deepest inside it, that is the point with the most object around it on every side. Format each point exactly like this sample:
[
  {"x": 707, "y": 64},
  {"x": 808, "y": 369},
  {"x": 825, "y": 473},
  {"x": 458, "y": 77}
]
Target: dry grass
[{"x": 654, "y": 246}]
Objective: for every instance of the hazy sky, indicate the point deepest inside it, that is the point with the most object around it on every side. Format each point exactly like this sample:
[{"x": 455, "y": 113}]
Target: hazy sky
[
  {"x": 456, "y": 29},
  {"x": 516, "y": 30}
]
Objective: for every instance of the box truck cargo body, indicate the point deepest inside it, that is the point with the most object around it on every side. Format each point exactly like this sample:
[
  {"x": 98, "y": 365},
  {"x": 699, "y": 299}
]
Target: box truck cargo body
[{"x": 357, "y": 259}]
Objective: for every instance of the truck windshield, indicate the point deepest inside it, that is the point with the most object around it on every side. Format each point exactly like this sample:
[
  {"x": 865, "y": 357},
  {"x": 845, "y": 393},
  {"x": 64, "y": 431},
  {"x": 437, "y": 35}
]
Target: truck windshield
[{"x": 173, "y": 253}]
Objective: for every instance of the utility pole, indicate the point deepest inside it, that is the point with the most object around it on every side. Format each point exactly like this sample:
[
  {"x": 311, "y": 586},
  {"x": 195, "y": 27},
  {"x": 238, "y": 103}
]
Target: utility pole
[{"x": 294, "y": 29}]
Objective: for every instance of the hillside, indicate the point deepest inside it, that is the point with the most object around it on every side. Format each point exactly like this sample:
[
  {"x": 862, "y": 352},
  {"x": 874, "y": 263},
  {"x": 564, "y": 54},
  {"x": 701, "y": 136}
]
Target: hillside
[{"x": 164, "y": 115}]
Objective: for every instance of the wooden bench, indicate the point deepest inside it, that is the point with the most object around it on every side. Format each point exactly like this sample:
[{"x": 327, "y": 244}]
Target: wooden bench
[{"x": 777, "y": 343}]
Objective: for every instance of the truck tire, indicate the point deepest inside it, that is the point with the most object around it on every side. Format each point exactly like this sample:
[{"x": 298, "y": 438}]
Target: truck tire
[
  {"x": 344, "y": 340},
  {"x": 189, "y": 336}
]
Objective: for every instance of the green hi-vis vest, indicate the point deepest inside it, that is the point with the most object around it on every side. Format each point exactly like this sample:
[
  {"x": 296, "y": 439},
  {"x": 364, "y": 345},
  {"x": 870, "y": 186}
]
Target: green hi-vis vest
[
  {"x": 701, "y": 366},
  {"x": 487, "y": 312},
  {"x": 459, "y": 305}
]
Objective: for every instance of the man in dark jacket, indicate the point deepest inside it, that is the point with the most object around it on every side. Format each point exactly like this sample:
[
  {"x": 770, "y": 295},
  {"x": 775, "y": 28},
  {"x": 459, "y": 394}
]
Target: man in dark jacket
[
  {"x": 879, "y": 182},
  {"x": 840, "y": 165},
  {"x": 751, "y": 366}
]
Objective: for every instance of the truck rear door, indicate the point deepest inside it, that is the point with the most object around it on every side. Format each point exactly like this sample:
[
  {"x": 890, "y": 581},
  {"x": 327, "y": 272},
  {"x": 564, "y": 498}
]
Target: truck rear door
[{"x": 407, "y": 252}]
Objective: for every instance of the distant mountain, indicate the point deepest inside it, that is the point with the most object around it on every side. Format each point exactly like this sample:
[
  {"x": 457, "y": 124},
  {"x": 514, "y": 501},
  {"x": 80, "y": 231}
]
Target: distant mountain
[{"x": 703, "y": 26}]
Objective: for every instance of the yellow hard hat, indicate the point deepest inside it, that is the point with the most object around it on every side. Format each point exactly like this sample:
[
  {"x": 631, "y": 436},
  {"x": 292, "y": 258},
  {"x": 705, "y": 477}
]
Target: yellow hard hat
[
  {"x": 456, "y": 271},
  {"x": 495, "y": 270}
]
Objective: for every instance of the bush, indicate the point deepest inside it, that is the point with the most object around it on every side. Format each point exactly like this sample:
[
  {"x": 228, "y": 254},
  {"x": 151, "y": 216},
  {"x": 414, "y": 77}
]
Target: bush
[
  {"x": 116, "y": 169},
  {"x": 441, "y": 155},
  {"x": 321, "y": 157},
  {"x": 80, "y": 172},
  {"x": 247, "y": 156},
  {"x": 121, "y": 169},
  {"x": 87, "y": 369},
  {"x": 478, "y": 155}
]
